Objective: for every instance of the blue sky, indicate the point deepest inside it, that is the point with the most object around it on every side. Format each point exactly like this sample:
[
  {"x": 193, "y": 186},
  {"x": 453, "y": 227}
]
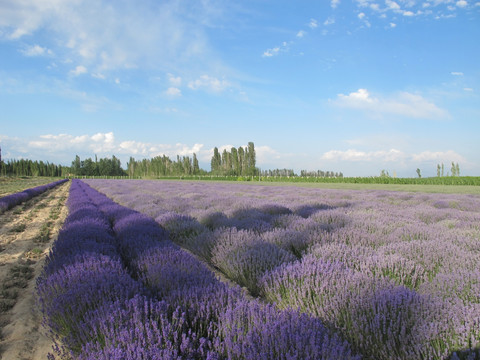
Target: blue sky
[{"x": 354, "y": 86}]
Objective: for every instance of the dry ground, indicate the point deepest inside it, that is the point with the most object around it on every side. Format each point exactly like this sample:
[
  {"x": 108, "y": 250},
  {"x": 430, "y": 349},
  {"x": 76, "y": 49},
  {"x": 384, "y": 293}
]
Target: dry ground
[{"x": 26, "y": 234}]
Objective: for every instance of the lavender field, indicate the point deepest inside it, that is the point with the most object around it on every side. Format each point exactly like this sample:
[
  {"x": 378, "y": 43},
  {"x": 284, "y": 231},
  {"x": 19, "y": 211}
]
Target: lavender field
[{"x": 326, "y": 274}]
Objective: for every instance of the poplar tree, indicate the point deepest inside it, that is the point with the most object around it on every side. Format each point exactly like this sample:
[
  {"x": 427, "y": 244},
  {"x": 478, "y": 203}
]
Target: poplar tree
[
  {"x": 241, "y": 160},
  {"x": 196, "y": 167},
  {"x": 251, "y": 159},
  {"x": 216, "y": 162},
  {"x": 235, "y": 162}
]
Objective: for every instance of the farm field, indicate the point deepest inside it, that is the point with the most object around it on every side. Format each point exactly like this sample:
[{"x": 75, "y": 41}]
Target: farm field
[
  {"x": 394, "y": 274},
  {"x": 26, "y": 234},
  {"x": 234, "y": 267},
  {"x": 440, "y": 189},
  {"x": 10, "y": 185}
]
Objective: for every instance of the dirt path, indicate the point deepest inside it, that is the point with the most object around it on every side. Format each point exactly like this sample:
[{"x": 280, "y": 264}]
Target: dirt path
[{"x": 26, "y": 235}]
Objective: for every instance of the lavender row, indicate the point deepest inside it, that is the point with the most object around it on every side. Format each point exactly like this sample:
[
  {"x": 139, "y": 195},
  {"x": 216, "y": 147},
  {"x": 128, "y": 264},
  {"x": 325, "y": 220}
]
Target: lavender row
[
  {"x": 395, "y": 273},
  {"x": 9, "y": 201},
  {"x": 210, "y": 309},
  {"x": 115, "y": 287}
]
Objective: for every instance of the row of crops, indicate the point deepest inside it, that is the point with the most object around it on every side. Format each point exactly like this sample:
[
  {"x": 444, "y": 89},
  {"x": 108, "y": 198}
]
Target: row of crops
[
  {"x": 115, "y": 287},
  {"x": 9, "y": 201},
  {"x": 396, "y": 275}
]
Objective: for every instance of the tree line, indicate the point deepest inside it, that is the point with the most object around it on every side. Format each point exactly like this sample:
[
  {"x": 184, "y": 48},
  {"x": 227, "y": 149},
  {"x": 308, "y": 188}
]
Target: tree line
[
  {"x": 455, "y": 170},
  {"x": 103, "y": 167},
  {"x": 236, "y": 162},
  {"x": 25, "y": 167},
  {"x": 163, "y": 166}
]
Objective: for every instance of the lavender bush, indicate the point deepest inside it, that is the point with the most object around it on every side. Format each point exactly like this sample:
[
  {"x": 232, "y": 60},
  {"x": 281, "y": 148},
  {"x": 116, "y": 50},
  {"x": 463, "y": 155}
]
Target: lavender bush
[
  {"x": 244, "y": 257},
  {"x": 253, "y": 331},
  {"x": 115, "y": 287},
  {"x": 394, "y": 273}
]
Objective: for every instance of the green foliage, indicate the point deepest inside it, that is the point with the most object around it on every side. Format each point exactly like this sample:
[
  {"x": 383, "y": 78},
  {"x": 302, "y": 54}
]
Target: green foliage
[
  {"x": 25, "y": 167},
  {"x": 102, "y": 167},
  {"x": 447, "y": 180},
  {"x": 163, "y": 166},
  {"x": 236, "y": 162}
]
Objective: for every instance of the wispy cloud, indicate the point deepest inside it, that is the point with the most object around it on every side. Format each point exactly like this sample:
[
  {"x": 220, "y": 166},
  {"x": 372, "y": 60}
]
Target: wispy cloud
[
  {"x": 271, "y": 52},
  {"x": 334, "y": 3},
  {"x": 301, "y": 33},
  {"x": 87, "y": 32},
  {"x": 278, "y": 49},
  {"x": 433, "y": 8},
  {"x": 209, "y": 83},
  {"x": 103, "y": 144},
  {"x": 313, "y": 24},
  {"x": 403, "y": 104},
  {"x": 79, "y": 70},
  {"x": 393, "y": 156},
  {"x": 174, "y": 80},
  {"x": 329, "y": 21},
  {"x": 36, "y": 50},
  {"x": 173, "y": 92}
]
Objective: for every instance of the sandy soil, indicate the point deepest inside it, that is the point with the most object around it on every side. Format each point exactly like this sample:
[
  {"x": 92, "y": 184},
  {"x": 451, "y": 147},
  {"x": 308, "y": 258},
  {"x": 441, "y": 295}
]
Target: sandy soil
[{"x": 26, "y": 235}]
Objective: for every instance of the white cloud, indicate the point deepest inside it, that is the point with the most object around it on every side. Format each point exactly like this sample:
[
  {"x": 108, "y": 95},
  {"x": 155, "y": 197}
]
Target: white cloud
[
  {"x": 402, "y": 104},
  {"x": 137, "y": 148},
  {"x": 105, "y": 144},
  {"x": 438, "y": 156},
  {"x": 173, "y": 92},
  {"x": 456, "y": 73},
  {"x": 79, "y": 70},
  {"x": 361, "y": 15},
  {"x": 99, "y": 76},
  {"x": 313, "y": 23},
  {"x": 97, "y": 143},
  {"x": 410, "y": 8},
  {"x": 393, "y": 25},
  {"x": 394, "y": 156},
  {"x": 330, "y": 20},
  {"x": 108, "y": 36},
  {"x": 392, "y": 5},
  {"x": 209, "y": 83},
  {"x": 266, "y": 154},
  {"x": 301, "y": 34},
  {"x": 391, "y": 155},
  {"x": 36, "y": 50},
  {"x": 334, "y": 3},
  {"x": 175, "y": 81},
  {"x": 271, "y": 52},
  {"x": 357, "y": 98}
]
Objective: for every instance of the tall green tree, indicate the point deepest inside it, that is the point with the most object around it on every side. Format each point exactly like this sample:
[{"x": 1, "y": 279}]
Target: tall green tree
[
  {"x": 235, "y": 162},
  {"x": 196, "y": 167},
  {"x": 251, "y": 159},
  {"x": 216, "y": 162},
  {"x": 454, "y": 169},
  {"x": 241, "y": 160}
]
